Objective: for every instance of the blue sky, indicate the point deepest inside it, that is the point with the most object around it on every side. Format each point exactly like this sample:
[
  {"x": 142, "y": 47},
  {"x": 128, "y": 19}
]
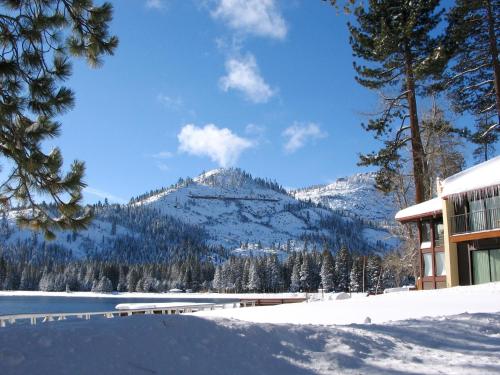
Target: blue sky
[{"x": 264, "y": 85}]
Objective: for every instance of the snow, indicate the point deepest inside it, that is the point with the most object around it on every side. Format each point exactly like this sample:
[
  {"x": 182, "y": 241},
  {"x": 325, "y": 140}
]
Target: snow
[
  {"x": 467, "y": 343},
  {"x": 142, "y": 306},
  {"x": 259, "y": 215},
  {"x": 381, "y": 309},
  {"x": 358, "y": 196},
  {"x": 481, "y": 176},
  {"x": 428, "y": 208}
]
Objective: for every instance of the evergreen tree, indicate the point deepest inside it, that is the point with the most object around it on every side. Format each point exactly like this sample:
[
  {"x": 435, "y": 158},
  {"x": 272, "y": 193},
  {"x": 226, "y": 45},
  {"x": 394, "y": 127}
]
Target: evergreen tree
[
  {"x": 132, "y": 280},
  {"x": 103, "y": 286},
  {"x": 217, "y": 282},
  {"x": 295, "y": 277},
  {"x": 254, "y": 280},
  {"x": 484, "y": 138},
  {"x": 274, "y": 275},
  {"x": 306, "y": 274},
  {"x": 342, "y": 269},
  {"x": 328, "y": 272},
  {"x": 473, "y": 43},
  {"x": 373, "y": 271},
  {"x": 38, "y": 37},
  {"x": 395, "y": 38},
  {"x": 356, "y": 276}
]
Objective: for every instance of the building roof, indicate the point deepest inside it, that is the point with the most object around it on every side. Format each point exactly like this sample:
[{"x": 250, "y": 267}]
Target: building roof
[
  {"x": 479, "y": 178},
  {"x": 428, "y": 208}
]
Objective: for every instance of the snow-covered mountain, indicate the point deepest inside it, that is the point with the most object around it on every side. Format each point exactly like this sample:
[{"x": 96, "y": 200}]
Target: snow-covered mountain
[
  {"x": 230, "y": 210},
  {"x": 355, "y": 195}
]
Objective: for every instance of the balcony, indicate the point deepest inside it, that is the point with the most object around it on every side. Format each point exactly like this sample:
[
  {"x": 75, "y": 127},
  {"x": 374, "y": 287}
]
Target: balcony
[{"x": 476, "y": 221}]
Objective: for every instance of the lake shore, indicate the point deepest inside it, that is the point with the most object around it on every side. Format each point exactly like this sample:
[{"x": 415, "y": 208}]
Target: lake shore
[{"x": 180, "y": 296}]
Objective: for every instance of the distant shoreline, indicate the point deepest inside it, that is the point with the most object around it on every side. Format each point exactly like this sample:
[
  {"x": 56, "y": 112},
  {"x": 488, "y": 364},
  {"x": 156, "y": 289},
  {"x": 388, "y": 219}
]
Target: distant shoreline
[{"x": 32, "y": 293}]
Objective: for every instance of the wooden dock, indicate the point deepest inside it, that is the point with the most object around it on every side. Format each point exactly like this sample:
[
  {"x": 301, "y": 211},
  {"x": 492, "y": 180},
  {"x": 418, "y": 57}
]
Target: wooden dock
[{"x": 273, "y": 301}]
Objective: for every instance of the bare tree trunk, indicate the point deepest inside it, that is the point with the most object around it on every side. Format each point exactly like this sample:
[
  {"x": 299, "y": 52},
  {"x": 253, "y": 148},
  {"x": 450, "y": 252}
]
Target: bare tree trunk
[
  {"x": 417, "y": 149},
  {"x": 494, "y": 54}
]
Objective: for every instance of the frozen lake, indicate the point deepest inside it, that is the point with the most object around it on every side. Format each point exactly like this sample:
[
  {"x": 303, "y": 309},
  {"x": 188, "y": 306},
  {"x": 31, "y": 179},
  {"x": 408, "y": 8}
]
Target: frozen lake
[{"x": 49, "y": 304}]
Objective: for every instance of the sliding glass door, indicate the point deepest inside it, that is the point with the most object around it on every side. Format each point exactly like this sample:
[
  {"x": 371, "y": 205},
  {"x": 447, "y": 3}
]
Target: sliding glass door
[{"x": 485, "y": 266}]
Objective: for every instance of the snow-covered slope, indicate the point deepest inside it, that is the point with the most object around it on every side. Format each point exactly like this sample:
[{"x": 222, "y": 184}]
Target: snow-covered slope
[
  {"x": 235, "y": 208},
  {"x": 229, "y": 208},
  {"x": 356, "y": 195}
]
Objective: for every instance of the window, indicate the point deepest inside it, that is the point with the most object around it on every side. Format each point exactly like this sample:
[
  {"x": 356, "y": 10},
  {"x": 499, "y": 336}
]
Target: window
[
  {"x": 427, "y": 264},
  {"x": 493, "y": 212},
  {"x": 477, "y": 215},
  {"x": 425, "y": 231},
  {"x": 485, "y": 266},
  {"x": 440, "y": 268},
  {"x": 439, "y": 234}
]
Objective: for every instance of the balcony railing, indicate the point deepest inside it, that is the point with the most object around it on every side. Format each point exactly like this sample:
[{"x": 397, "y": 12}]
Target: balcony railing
[{"x": 476, "y": 221}]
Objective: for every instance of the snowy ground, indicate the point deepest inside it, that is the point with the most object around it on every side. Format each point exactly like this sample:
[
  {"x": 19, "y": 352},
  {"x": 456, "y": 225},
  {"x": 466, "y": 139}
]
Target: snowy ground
[
  {"x": 380, "y": 309},
  {"x": 460, "y": 343}
]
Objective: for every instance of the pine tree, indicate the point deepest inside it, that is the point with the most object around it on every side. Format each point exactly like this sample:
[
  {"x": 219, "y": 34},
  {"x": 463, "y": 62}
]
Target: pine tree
[
  {"x": 274, "y": 275},
  {"x": 295, "y": 277},
  {"x": 395, "y": 38},
  {"x": 132, "y": 279},
  {"x": 103, "y": 286},
  {"x": 484, "y": 138},
  {"x": 38, "y": 37},
  {"x": 356, "y": 276},
  {"x": 305, "y": 273},
  {"x": 217, "y": 282},
  {"x": 254, "y": 280},
  {"x": 342, "y": 269},
  {"x": 328, "y": 272},
  {"x": 373, "y": 270},
  {"x": 473, "y": 43}
]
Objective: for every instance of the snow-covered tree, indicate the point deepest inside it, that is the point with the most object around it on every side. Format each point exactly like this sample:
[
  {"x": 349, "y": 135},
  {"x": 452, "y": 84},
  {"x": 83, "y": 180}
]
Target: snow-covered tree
[
  {"x": 328, "y": 272},
  {"x": 342, "y": 269}
]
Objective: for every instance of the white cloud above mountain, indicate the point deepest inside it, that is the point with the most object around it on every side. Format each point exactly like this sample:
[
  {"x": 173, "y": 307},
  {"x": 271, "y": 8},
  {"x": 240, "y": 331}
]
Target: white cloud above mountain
[
  {"x": 256, "y": 17},
  {"x": 221, "y": 145},
  {"x": 298, "y": 135},
  {"x": 243, "y": 75}
]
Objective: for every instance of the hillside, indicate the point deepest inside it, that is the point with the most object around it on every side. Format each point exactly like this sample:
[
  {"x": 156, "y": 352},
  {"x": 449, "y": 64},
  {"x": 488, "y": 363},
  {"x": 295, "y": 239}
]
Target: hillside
[
  {"x": 355, "y": 195},
  {"x": 228, "y": 210}
]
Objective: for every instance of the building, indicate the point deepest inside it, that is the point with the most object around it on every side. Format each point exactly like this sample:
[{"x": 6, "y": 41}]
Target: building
[{"x": 459, "y": 230}]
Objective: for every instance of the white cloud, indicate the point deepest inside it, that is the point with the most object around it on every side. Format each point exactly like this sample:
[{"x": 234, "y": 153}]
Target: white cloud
[
  {"x": 257, "y": 17},
  {"x": 104, "y": 194},
  {"x": 155, "y": 4},
  {"x": 219, "y": 144},
  {"x": 243, "y": 75},
  {"x": 299, "y": 134}
]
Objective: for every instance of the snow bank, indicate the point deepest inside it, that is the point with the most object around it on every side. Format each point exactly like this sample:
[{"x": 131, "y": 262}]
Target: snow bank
[
  {"x": 192, "y": 344},
  {"x": 465, "y": 344},
  {"x": 382, "y": 308}
]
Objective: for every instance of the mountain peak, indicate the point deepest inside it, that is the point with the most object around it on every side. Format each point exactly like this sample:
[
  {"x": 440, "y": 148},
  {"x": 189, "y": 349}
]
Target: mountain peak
[{"x": 225, "y": 178}]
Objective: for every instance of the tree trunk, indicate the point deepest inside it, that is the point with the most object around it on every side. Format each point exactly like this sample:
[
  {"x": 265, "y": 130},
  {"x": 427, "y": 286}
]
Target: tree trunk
[
  {"x": 417, "y": 150},
  {"x": 494, "y": 54}
]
